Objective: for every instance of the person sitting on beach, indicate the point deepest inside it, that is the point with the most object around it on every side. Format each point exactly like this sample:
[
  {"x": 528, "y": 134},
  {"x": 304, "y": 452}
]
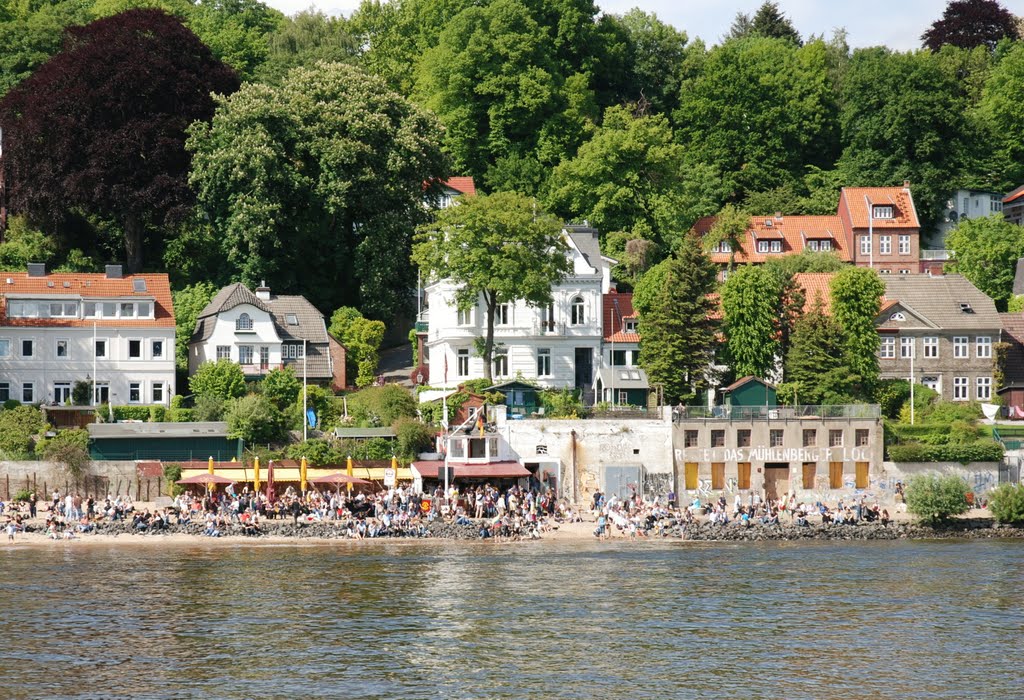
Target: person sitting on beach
[{"x": 884, "y": 518}]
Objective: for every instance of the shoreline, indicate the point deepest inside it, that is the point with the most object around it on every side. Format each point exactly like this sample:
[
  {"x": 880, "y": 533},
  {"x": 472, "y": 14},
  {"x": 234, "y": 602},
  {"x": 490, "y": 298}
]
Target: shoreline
[{"x": 285, "y": 533}]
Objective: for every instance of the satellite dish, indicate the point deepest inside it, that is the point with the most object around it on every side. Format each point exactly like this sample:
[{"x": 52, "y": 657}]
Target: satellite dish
[{"x": 952, "y": 216}]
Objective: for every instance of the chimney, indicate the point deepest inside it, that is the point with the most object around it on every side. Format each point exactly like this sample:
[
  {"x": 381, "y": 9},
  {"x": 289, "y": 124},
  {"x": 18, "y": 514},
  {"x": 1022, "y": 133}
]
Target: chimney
[
  {"x": 37, "y": 269},
  {"x": 906, "y": 183},
  {"x": 114, "y": 272},
  {"x": 263, "y": 291},
  {"x": 778, "y": 215}
]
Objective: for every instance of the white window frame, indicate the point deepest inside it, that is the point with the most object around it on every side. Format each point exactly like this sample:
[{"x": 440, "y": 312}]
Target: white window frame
[
  {"x": 885, "y": 245},
  {"x": 31, "y": 346},
  {"x": 98, "y": 390},
  {"x": 882, "y": 211},
  {"x": 907, "y": 348},
  {"x": 462, "y": 362},
  {"x": 776, "y": 246},
  {"x": 61, "y": 388},
  {"x": 887, "y": 350},
  {"x": 57, "y": 344},
  {"x": 826, "y": 245},
  {"x": 157, "y": 392},
  {"x": 904, "y": 244},
  {"x": 138, "y": 388},
  {"x": 152, "y": 348},
  {"x": 502, "y": 313},
  {"x": 5, "y": 347},
  {"x": 28, "y": 392},
  {"x": 543, "y": 362},
  {"x": 222, "y": 352},
  {"x": 129, "y": 355},
  {"x": 243, "y": 357},
  {"x": 865, "y": 245},
  {"x": 983, "y": 346},
  {"x": 983, "y": 390},
  {"x": 579, "y": 311},
  {"x": 105, "y": 344},
  {"x": 931, "y": 347},
  {"x": 464, "y": 317},
  {"x": 500, "y": 362},
  {"x": 961, "y": 347},
  {"x": 812, "y": 245},
  {"x": 763, "y": 247},
  {"x": 961, "y": 388},
  {"x": 243, "y": 322}
]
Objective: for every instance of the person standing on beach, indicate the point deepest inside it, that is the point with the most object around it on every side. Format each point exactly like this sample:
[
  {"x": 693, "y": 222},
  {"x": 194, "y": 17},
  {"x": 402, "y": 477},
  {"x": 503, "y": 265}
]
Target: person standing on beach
[
  {"x": 32, "y": 502},
  {"x": 12, "y": 527}
]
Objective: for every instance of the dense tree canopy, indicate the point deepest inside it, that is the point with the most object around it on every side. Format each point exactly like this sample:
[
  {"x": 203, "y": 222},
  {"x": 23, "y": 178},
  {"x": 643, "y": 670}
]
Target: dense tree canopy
[
  {"x": 856, "y": 300},
  {"x": 986, "y": 251},
  {"x": 750, "y": 308},
  {"x": 328, "y": 168},
  {"x": 100, "y": 127}
]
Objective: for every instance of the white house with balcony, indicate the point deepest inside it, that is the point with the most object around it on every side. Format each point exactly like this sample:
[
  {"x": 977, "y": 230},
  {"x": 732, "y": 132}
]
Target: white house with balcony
[
  {"x": 557, "y": 346},
  {"x": 114, "y": 332},
  {"x": 263, "y": 331}
]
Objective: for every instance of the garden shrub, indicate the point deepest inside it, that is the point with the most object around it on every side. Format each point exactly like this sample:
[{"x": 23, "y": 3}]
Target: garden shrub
[
  {"x": 1007, "y": 503},
  {"x": 934, "y": 498}
]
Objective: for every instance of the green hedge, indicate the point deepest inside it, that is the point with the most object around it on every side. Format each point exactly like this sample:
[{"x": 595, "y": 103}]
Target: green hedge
[{"x": 980, "y": 451}]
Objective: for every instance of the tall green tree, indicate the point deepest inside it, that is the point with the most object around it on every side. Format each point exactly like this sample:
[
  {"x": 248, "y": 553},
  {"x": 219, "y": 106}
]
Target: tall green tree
[
  {"x": 237, "y": 31},
  {"x": 362, "y": 339},
  {"x": 985, "y": 251},
  {"x": 74, "y": 132},
  {"x": 327, "y": 168},
  {"x": 730, "y": 227},
  {"x": 856, "y": 301},
  {"x": 750, "y": 310},
  {"x": 631, "y": 177},
  {"x": 768, "y": 22},
  {"x": 815, "y": 360},
  {"x": 1001, "y": 112},
  {"x": 761, "y": 111},
  {"x": 677, "y": 326},
  {"x": 220, "y": 380},
  {"x": 304, "y": 39},
  {"x": 188, "y": 304},
  {"x": 904, "y": 118},
  {"x": 498, "y": 249}
]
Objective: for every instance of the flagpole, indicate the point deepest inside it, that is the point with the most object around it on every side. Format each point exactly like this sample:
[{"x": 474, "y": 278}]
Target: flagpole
[
  {"x": 305, "y": 365},
  {"x": 93, "y": 363}
]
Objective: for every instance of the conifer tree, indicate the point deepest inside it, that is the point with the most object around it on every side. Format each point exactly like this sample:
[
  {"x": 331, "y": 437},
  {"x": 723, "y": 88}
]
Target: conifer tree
[
  {"x": 678, "y": 331},
  {"x": 814, "y": 363}
]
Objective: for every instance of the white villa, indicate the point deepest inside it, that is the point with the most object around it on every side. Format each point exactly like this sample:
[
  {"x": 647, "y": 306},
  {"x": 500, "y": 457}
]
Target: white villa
[
  {"x": 561, "y": 345},
  {"x": 113, "y": 331},
  {"x": 263, "y": 331}
]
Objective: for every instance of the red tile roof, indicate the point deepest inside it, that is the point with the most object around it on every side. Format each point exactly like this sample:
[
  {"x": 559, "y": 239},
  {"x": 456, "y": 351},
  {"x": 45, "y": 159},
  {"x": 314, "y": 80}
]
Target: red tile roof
[
  {"x": 88, "y": 285},
  {"x": 465, "y": 185},
  {"x": 816, "y": 285},
  {"x": 1015, "y": 195},
  {"x": 614, "y": 321},
  {"x": 793, "y": 231},
  {"x": 855, "y": 201}
]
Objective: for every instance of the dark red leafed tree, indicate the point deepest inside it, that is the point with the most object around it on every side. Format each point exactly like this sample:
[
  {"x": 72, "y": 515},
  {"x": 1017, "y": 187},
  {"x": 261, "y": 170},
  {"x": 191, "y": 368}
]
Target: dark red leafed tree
[
  {"x": 100, "y": 127},
  {"x": 970, "y": 23}
]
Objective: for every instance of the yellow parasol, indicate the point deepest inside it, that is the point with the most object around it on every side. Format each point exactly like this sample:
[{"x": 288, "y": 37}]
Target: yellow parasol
[
  {"x": 394, "y": 465},
  {"x": 348, "y": 470},
  {"x": 210, "y": 485},
  {"x": 256, "y": 474},
  {"x": 302, "y": 475}
]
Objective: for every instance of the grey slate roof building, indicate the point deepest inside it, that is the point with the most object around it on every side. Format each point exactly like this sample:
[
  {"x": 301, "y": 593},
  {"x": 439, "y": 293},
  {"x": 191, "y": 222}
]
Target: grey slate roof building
[{"x": 287, "y": 329}]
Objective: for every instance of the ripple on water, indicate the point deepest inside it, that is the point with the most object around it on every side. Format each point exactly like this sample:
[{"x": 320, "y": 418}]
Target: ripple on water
[{"x": 573, "y": 620}]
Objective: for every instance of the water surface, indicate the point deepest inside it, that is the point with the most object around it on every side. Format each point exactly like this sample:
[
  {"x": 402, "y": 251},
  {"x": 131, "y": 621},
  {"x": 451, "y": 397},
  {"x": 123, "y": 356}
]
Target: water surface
[{"x": 939, "y": 619}]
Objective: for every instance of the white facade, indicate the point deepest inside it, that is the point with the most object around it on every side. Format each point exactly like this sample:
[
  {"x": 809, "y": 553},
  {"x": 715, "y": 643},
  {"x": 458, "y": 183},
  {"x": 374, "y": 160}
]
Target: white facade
[
  {"x": 558, "y": 346},
  {"x": 244, "y": 335},
  {"x": 116, "y": 333},
  {"x": 965, "y": 204}
]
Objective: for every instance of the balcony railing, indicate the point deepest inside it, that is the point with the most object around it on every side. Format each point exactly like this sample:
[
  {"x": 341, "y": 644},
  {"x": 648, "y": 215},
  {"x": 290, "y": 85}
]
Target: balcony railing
[
  {"x": 770, "y": 413},
  {"x": 938, "y": 255}
]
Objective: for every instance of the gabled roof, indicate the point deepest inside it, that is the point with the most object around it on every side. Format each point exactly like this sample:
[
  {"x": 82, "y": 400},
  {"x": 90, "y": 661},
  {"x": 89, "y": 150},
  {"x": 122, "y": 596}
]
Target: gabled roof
[
  {"x": 1014, "y": 195},
  {"x": 795, "y": 232},
  {"x": 586, "y": 241},
  {"x": 856, "y": 200},
  {"x": 158, "y": 430},
  {"x": 617, "y": 308},
  {"x": 940, "y": 300},
  {"x": 1013, "y": 328},
  {"x": 816, "y": 285},
  {"x": 746, "y": 380},
  {"x": 462, "y": 185},
  {"x": 89, "y": 285},
  {"x": 231, "y": 296}
]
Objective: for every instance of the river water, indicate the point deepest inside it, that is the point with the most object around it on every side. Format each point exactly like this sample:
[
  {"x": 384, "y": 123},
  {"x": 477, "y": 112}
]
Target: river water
[{"x": 938, "y": 619}]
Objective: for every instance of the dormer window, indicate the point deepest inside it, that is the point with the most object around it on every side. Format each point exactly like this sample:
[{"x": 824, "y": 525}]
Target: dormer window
[
  {"x": 243, "y": 323},
  {"x": 776, "y": 246},
  {"x": 882, "y": 212},
  {"x": 630, "y": 325},
  {"x": 762, "y": 246}
]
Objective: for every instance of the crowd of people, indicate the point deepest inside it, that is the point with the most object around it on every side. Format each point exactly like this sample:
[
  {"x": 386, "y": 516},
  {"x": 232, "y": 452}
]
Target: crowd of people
[
  {"x": 635, "y": 517},
  {"x": 489, "y": 512}
]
